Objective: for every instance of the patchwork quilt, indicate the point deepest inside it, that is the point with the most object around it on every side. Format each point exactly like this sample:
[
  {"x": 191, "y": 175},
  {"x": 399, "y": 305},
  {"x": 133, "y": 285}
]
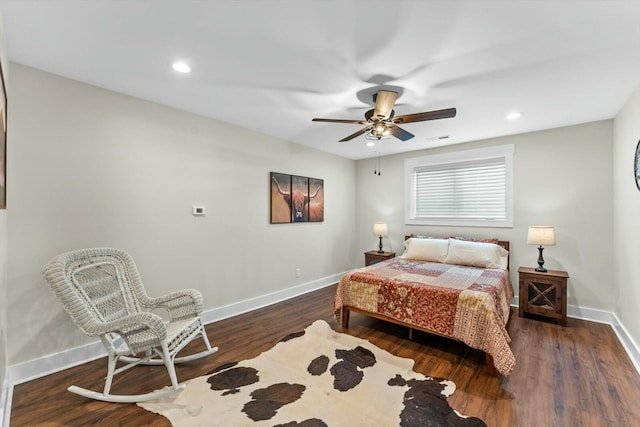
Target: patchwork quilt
[{"x": 465, "y": 303}]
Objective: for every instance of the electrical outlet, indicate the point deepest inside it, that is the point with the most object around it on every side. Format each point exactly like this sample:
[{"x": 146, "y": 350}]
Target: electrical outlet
[{"x": 298, "y": 273}]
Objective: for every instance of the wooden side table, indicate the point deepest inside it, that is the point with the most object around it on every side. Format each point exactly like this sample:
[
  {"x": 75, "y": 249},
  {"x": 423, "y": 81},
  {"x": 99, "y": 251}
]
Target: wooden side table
[
  {"x": 372, "y": 257},
  {"x": 544, "y": 294}
]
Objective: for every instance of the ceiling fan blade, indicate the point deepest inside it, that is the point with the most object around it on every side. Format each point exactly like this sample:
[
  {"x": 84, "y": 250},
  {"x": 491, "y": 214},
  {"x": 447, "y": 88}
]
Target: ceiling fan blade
[
  {"x": 384, "y": 103},
  {"x": 353, "y": 135},
  {"x": 360, "y": 122},
  {"x": 400, "y": 133},
  {"x": 429, "y": 115}
]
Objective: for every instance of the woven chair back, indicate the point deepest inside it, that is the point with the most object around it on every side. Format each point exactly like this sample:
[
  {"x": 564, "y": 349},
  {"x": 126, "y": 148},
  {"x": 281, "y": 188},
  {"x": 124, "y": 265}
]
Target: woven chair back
[
  {"x": 95, "y": 284},
  {"x": 104, "y": 287}
]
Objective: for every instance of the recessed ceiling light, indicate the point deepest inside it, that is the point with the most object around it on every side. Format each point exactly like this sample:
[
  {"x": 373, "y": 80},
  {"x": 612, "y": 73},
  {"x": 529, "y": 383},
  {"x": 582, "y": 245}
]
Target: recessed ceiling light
[
  {"x": 180, "y": 67},
  {"x": 514, "y": 115},
  {"x": 371, "y": 144}
]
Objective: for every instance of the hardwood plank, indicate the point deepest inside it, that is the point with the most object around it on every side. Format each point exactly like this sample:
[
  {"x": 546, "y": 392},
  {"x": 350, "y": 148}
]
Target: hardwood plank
[{"x": 574, "y": 375}]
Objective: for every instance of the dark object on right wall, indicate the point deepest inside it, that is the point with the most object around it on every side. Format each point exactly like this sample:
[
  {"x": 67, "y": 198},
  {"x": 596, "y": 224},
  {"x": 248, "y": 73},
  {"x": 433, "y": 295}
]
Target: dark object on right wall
[
  {"x": 3, "y": 142},
  {"x": 636, "y": 165}
]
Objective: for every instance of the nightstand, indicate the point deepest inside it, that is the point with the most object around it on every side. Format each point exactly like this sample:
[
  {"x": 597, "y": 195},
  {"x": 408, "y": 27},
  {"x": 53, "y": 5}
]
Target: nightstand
[
  {"x": 373, "y": 257},
  {"x": 544, "y": 294}
]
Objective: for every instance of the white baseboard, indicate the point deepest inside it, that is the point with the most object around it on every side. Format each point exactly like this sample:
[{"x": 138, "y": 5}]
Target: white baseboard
[
  {"x": 5, "y": 403},
  {"x": 51, "y": 363},
  {"x": 590, "y": 314},
  {"x": 234, "y": 309},
  {"x": 630, "y": 346},
  {"x": 27, "y": 371}
]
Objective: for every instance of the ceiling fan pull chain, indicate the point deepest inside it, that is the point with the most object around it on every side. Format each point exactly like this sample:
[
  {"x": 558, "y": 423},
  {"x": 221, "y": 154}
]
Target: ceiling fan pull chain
[{"x": 376, "y": 166}]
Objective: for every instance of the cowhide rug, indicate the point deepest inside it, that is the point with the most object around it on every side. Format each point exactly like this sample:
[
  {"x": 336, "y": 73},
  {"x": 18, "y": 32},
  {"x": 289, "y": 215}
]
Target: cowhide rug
[{"x": 317, "y": 377}]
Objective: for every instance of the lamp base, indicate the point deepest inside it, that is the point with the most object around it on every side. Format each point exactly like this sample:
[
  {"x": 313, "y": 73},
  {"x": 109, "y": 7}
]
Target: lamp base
[
  {"x": 380, "y": 251},
  {"x": 540, "y": 267}
]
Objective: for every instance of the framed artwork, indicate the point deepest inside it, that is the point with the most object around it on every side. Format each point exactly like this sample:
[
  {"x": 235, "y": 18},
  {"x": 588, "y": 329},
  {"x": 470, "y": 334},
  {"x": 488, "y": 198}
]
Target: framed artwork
[
  {"x": 316, "y": 200},
  {"x": 636, "y": 165},
  {"x": 296, "y": 198},
  {"x": 3, "y": 142},
  {"x": 299, "y": 198},
  {"x": 280, "y": 198}
]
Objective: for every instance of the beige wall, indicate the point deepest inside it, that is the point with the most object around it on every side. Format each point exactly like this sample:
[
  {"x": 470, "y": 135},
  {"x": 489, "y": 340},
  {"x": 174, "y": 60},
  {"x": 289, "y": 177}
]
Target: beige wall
[
  {"x": 90, "y": 167},
  {"x": 626, "y": 214},
  {"x": 562, "y": 177}
]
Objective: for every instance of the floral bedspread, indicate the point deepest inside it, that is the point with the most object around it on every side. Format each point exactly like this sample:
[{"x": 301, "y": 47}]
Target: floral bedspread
[{"x": 466, "y": 303}]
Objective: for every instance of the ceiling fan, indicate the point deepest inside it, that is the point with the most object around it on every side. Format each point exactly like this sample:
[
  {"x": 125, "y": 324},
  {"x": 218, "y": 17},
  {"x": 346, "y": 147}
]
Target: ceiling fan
[{"x": 382, "y": 121}]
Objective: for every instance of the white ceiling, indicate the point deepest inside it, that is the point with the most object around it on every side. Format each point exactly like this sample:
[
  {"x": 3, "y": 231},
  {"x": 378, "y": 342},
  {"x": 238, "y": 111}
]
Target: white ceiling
[{"x": 272, "y": 66}]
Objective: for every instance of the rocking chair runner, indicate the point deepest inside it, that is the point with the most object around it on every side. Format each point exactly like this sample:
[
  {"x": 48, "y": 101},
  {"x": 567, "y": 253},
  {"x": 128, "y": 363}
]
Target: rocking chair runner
[{"x": 102, "y": 292}]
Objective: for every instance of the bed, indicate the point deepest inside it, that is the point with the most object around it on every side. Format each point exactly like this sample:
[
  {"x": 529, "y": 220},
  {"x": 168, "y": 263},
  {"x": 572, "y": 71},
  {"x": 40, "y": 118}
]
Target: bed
[{"x": 454, "y": 287}]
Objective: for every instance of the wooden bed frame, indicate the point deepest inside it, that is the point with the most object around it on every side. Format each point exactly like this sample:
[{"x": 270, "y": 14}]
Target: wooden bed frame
[{"x": 344, "y": 316}]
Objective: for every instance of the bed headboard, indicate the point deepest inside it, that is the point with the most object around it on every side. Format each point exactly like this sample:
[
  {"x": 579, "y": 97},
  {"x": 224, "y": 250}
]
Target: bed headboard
[{"x": 503, "y": 243}]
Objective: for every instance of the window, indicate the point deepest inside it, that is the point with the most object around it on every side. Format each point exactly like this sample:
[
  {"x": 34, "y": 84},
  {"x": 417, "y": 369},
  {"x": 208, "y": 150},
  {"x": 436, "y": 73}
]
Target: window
[{"x": 468, "y": 188}]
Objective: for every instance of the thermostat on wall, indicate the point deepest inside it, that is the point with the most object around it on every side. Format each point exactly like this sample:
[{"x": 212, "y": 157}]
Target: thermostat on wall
[{"x": 198, "y": 211}]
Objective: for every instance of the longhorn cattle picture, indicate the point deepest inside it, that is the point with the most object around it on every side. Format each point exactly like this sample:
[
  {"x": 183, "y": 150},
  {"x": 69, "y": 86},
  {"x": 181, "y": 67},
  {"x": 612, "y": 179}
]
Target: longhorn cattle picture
[{"x": 296, "y": 199}]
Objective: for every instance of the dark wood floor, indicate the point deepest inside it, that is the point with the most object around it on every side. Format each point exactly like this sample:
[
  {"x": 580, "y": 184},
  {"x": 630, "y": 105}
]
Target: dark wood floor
[{"x": 573, "y": 376}]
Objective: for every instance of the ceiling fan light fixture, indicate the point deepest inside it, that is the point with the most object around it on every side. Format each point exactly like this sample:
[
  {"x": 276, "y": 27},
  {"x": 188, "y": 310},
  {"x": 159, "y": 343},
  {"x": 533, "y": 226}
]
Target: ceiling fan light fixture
[
  {"x": 374, "y": 136},
  {"x": 381, "y": 121}
]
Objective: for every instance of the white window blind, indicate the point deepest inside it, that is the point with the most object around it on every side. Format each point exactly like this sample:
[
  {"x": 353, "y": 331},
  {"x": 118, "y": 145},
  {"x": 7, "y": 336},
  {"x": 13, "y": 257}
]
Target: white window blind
[{"x": 471, "y": 188}]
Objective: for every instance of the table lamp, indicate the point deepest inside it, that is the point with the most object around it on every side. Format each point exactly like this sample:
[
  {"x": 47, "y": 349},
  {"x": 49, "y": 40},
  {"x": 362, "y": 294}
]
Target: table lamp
[
  {"x": 541, "y": 235},
  {"x": 380, "y": 229}
]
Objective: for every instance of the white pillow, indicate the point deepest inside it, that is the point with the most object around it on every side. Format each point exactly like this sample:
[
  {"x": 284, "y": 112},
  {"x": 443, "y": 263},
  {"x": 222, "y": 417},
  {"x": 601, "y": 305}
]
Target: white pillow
[
  {"x": 476, "y": 254},
  {"x": 434, "y": 250}
]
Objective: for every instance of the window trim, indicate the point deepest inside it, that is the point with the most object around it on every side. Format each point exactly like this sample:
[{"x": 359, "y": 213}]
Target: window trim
[{"x": 410, "y": 165}]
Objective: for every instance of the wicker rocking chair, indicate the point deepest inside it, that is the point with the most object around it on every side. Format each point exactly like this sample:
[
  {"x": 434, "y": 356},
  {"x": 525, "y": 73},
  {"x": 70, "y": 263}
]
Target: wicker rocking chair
[{"x": 102, "y": 292}]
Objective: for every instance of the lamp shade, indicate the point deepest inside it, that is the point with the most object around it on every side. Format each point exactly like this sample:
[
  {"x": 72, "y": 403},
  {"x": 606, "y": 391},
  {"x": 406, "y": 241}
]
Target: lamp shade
[
  {"x": 541, "y": 235},
  {"x": 380, "y": 229}
]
